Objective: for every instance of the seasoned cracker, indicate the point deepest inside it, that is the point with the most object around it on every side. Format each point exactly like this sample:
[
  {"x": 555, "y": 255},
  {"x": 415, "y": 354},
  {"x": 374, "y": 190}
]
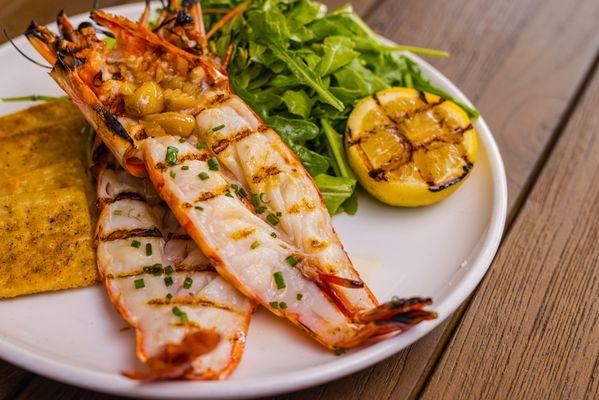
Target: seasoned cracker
[
  {"x": 46, "y": 242},
  {"x": 39, "y": 148},
  {"x": 55, "y": 176},
  {"x": 39, "y": 117}
]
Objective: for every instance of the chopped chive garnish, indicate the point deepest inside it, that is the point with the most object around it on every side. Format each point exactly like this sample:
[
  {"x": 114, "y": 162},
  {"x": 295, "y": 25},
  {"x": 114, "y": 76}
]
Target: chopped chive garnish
[
  {"x": 339, "y": 351},
  {"x": 260, "y": 210},
  {"x": 218, "y": 128},
  {"x": 173, "y": 173},
  {"x": 181, "y": 140},
  {"x": 177, "y": 311},
  {"x": 148, "y": 249},
  {"x": 273, "y": 235},
  {"x": 272, "y": 219},
  {"x": 185, "y": 167},
  {"x": 135, "y": 243},
  {"x": 242, "y": 193},
  {"x": 299, "y": 296},
  {"x": 187, "y": 282},
  {"x": 255, "y": 245},
  {"x": 228, "y": 193},
  {"x": 292, "y": 261},
  {"x": 139, "y": 283},
  {"x": 169, "y": 235},
  {"x": 273, "y": 304},
  {"x": 255, "y": 200},
  {"x": 262, "y": 195},
  {"x": 235, "y": 187},
  {"x": 282, "y": 305},
  {"x": 168, "y": 270},
  {"x": 203, "y": 176},
  {"x": 169, "y": 296},
  {"x": 199, "y": 208},
  {"x": 171, "y": 155},
  {"x": 168, "y": 281},
  {"x": 201, "y": 145},
  {"x": 279, "y": 280},
  {"x": 279, "y": 213},
  {"x": 213, "y": 164},
  {"x": 117, "y": 212}
]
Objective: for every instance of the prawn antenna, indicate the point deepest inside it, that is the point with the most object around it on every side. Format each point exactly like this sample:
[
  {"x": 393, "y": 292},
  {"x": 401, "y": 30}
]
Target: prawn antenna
[{"x": 22, "y": 53}]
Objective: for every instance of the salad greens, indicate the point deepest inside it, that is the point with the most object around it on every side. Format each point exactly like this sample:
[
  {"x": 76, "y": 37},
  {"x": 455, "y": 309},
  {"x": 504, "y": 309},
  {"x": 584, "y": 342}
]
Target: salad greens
[{"x": 302, "y": 70}]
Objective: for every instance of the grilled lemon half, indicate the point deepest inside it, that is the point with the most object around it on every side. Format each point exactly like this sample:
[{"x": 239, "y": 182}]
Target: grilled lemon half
[{"x": 410, "y": 148}]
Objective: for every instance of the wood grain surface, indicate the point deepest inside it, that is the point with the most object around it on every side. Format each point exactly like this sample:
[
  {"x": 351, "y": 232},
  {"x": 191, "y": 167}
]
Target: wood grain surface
[
  {"x": 531, "y": 330},
  {"x": 524, "y": 63}
]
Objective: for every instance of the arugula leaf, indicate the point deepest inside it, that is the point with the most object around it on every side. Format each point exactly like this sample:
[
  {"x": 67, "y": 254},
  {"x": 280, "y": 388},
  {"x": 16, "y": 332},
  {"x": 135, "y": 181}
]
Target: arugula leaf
[
  {"x": 260, "y": 101},
  {"x": 337, "y": 150},
  {"x": 293, "y": 130},
  {"x": 270, "y": 29},
  {"x": 338, "y": 51},
  {"x": 315, "y": 163},
  {"x": 335, "y": 190},
  {"x": 359, "y": 80},
  {"x": 307, "y": 11},
  {"x": 350, "y": 205},
  {"x": 298, "y": 103}
]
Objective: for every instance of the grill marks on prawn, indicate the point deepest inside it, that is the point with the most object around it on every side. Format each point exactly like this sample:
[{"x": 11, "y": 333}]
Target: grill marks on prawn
[
  {"x": 222, "y": 144},
  {"x": 182, "y": 159},
  {"x": 194, "y": 301},
  {"x": 131, "y": 234},
  {"x": 177, "y": 269},
  {"x": 176, "y": 297}
]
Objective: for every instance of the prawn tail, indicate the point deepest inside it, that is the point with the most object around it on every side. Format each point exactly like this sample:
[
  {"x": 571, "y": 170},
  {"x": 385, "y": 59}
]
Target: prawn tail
[
  {"x": 175, "y": 360},
  {"x": 405, "y": 311},
  {"x": 392, "y": 317}
]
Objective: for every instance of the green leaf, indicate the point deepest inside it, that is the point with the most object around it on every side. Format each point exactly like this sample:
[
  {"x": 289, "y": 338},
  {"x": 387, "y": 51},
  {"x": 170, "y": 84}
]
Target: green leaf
[
  {"x": 335, "y": 190},
  {"x": 293, "y": 130},
  {"x": 315, "y": 163},
  {"x": 337, "y": 150},
  {"x": 298, "y": 103},
  {"x": 337, "y": 52},
  {"x": 270, "y": 29},
  {"x": 343, "y": 22},
  {"x": 307, "y": 11},
  {"x": 357, "y": 78},
  {"x": 307, "y": 77},
  {"x": 284, "y": 81},
  {"x": 261, "y": 101},
  {"x": 350, "y": 205}
]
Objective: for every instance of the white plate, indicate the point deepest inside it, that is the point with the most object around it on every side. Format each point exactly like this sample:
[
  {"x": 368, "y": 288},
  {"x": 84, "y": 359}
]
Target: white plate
[{"x": 441, "y": 251}]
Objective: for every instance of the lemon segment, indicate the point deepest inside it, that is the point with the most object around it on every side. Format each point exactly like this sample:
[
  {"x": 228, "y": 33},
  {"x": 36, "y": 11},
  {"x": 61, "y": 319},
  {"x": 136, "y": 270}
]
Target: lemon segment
[{"x": 410, "y": 148}]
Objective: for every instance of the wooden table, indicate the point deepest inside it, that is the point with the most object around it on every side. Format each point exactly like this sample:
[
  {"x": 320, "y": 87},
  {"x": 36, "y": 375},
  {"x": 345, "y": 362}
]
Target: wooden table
[{"x": 531, "y": 328}]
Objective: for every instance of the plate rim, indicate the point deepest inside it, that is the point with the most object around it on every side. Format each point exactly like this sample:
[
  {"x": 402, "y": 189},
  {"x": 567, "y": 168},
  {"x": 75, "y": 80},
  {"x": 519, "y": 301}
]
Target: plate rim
[{"x": 311, "y": 376}]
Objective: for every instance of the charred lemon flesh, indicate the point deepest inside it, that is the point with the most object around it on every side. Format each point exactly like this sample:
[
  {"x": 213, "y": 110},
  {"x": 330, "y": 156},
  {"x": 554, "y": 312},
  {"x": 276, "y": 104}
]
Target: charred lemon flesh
[{"x": 410, "y": 148}]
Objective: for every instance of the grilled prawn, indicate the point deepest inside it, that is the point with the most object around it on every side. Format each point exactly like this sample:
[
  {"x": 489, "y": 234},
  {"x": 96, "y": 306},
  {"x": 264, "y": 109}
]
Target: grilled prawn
[
  {"x": 190, "y": 323},
  {"x": 249, "y": 252},
  {"x": 153, "y": 90}
]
